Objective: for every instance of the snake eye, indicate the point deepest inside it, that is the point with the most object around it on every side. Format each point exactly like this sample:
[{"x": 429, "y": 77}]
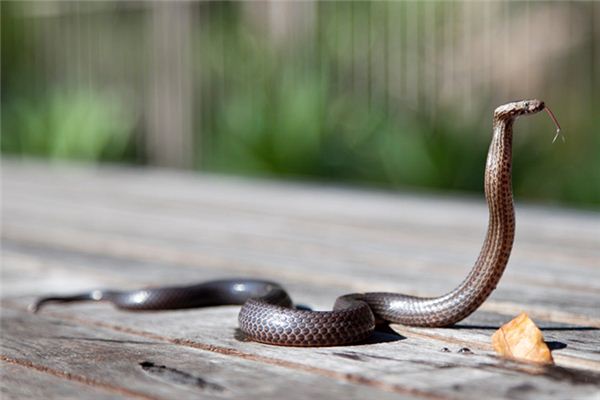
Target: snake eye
[{"x": 526, "y": 104}]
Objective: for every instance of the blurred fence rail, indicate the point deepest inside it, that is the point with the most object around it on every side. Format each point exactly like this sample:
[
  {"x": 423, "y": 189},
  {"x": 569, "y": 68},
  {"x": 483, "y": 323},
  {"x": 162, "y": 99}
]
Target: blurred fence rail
[{"x": 179, "y": 72}]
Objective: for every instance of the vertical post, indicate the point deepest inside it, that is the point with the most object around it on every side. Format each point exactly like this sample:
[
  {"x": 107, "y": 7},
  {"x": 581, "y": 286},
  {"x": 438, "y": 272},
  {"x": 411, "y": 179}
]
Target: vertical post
[
  {"x": 169, "y": 113},
  {"x": 594, "y": 54}
]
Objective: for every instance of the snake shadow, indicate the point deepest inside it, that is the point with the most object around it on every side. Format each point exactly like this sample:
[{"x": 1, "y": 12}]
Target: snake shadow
[
  {"x": 382, "y": 334},
  {"x": 552, "y": 345},
  {"x": 547, "y": 328}
]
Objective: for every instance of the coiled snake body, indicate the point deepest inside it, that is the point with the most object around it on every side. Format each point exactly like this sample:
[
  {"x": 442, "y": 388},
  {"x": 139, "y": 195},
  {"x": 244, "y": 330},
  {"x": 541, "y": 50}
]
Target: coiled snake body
[{"x": 267, "y": 314}]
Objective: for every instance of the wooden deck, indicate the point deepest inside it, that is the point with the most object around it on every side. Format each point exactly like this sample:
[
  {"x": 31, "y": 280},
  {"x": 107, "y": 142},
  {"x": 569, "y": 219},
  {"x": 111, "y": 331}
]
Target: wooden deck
[{"x": 69, "y": 229}]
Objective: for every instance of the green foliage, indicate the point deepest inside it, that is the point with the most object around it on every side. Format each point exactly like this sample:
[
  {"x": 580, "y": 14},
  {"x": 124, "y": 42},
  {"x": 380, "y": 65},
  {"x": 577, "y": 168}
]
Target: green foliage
[
  {"x": 299, "y": 128},
  {"x": 75, "y": 125},
  {"x": 317, "y": 107},
  {"x": 562, "y": 172}
]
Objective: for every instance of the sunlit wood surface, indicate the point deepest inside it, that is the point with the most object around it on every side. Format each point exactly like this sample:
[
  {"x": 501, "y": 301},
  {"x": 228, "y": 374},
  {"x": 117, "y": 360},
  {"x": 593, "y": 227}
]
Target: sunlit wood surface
[{"x": 69, "y": 229}]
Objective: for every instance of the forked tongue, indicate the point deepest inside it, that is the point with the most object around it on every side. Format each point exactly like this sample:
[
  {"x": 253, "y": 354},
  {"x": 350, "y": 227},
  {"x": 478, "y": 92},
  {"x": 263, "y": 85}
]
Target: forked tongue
[{"x": 553, "y": 117}]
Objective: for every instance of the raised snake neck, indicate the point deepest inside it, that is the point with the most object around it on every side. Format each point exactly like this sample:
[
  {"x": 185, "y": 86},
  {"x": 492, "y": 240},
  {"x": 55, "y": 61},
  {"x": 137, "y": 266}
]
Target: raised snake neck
[{"x": 267, "y": 314}]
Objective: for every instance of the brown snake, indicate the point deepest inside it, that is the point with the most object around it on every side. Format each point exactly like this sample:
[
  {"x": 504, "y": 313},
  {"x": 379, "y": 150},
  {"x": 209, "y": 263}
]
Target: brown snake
[{"x": 267, "y": 314}]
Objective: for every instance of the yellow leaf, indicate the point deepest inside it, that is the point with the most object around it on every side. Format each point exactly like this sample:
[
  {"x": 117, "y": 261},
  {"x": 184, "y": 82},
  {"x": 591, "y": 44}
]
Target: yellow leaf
[{"x": 521, "y": 339}]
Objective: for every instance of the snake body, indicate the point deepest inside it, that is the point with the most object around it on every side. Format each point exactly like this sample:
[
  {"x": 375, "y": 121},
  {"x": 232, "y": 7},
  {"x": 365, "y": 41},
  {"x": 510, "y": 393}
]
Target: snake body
[{"x": 267, "y": 314}]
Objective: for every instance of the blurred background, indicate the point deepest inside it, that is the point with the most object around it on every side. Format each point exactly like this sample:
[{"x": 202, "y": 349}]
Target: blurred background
[{"x": 377, "y": 94}]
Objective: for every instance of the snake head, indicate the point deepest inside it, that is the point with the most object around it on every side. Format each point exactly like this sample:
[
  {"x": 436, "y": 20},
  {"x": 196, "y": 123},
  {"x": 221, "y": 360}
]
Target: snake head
[{"x": 518, "y": 108}]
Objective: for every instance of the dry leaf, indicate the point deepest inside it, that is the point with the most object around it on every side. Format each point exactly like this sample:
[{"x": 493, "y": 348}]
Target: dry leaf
[{"x": 521, "y": 339}]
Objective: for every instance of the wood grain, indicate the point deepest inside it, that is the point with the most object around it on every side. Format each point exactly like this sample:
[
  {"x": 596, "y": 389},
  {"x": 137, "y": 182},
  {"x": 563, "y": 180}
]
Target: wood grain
[
  {"x": 68, "y": 229},
  {"x": 144, "y": 367},
  {"x": 23, "y": 382}
]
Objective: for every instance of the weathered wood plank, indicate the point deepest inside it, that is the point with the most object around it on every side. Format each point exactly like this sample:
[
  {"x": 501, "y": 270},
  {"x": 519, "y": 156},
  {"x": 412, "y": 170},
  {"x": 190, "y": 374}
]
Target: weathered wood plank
[
  {"x": 223, "y": 216},
  {"x": 23, "y": 382},
  {"x": 450, "y": 224},
  {"x": 405, "y": 365},
  {"x": 72, "y": 229},
  {"x": 318, "y": 235},
  {"x": 59, "y": 267},
  {"x": 56, "y": 268},
  {"x": 421, "y": 352},
  {"x": 150, "y": 368},
  {"x": 191, "y": 250},
  {"x": 214, "y": 327},
  {"x": 192, "y": 193}
]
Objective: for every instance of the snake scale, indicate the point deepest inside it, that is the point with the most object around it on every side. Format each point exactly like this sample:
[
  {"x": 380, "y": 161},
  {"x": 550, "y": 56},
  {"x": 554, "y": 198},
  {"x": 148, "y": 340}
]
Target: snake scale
[{"x": 267, "y": 314}]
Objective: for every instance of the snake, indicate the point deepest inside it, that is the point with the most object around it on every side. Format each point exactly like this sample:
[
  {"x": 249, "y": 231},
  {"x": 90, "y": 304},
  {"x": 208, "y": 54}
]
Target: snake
[{"x": 268, "y": 315}]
